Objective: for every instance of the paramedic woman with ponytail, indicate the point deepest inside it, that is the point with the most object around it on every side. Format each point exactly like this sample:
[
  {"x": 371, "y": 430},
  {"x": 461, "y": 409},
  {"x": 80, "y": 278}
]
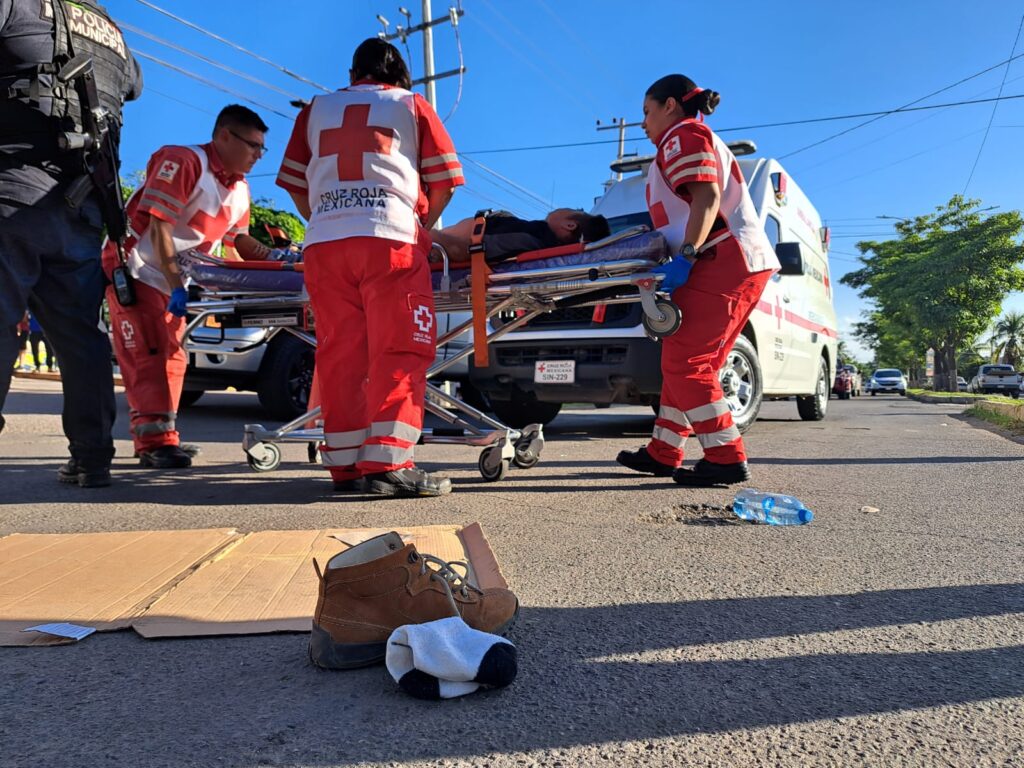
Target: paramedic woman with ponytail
[{"x": 698, "y": 199}]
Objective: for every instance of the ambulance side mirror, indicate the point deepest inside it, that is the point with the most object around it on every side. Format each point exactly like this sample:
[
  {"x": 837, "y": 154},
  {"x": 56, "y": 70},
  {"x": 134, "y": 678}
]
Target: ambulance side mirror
[{"x": 791, "y": 258}]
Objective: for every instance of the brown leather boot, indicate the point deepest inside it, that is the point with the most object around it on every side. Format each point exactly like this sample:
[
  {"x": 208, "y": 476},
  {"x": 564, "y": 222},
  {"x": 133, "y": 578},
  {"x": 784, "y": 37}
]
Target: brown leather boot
[{"x": 366, "y": 592}]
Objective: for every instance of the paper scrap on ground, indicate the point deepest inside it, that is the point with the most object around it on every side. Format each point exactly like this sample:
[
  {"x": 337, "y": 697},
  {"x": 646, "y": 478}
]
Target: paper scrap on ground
[{"x": 70, "y": 631}]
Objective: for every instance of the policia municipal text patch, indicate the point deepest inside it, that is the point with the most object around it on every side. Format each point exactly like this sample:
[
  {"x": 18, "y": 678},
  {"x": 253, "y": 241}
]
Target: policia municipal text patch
[{"x": 89, "y": 25}]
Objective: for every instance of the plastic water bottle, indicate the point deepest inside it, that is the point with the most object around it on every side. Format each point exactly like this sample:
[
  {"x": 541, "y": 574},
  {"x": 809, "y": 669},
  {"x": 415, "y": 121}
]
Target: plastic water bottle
[{"x": 770, "y": 508}]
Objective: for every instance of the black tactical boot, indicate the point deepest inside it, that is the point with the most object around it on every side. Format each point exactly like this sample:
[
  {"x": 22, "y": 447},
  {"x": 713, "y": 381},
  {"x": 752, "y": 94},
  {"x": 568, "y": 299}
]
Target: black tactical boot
[
  {"x": 407, "y": 482},
  {"x": 642, "y": 461},
  {"x": 93, "y": 477},
  {"x": 165, "y": 457},
  {"x": 706, "y": 474}
]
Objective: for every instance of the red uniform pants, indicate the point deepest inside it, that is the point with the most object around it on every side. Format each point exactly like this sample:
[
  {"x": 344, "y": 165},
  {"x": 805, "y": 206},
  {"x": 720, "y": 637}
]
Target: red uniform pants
[
  {"x": 375, "y": 329},
  {"x": 147, "y": 342},
  {"x": 716, "y": 302}
]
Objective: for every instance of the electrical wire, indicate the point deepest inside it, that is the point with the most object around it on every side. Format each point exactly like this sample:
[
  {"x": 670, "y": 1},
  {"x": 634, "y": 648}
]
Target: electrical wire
[
  {"x": 211, "y": 84},
  {"x": 200, "y": 57},
  {"x": 458, "y": 46},
  {"x": 908, "y": 104},
  {"x": 236, "y": 46},
  {"x": 150, "y": 89},
  {"x": 994, "y": 108},
  {"x": 787, "y": 123},
  {"x": 506, "y": 190},
  {"x": 524, "y": 190}
]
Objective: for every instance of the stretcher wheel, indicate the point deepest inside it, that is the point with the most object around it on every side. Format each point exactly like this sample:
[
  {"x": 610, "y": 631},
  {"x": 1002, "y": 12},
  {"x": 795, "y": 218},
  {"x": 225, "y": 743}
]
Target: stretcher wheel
[
  {"x": 313, "y": 452},
  {"x": 665, "y": 325},
  {"x": 528, "y": 448},
  {"x": 270, "y": 462},
  {"x": 492, "y": 467}
]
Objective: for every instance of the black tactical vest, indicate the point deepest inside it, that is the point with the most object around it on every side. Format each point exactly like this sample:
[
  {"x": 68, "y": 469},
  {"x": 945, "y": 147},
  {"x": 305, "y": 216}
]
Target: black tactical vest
[{"x": 31, "y": 91}]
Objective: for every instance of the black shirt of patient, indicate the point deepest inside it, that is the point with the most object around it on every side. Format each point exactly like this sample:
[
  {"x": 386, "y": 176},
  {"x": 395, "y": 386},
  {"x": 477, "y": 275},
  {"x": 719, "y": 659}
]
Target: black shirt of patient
[{"x": 506, "y": 236}]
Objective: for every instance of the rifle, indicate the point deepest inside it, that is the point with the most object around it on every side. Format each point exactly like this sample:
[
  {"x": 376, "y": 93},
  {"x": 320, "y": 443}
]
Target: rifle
[{"x": 100, "y": 166}]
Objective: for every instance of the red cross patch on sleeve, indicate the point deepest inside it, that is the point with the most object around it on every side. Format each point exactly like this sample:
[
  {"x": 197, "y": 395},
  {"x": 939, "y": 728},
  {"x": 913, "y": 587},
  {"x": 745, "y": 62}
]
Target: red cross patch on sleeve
[
  {"x": 672, "y": 148},
  {"x": 168, "y": 170}
]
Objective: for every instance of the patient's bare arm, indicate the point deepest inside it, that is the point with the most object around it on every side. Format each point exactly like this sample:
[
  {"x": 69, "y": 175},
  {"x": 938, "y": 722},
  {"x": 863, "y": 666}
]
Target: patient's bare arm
[{"x": 454, "y": 239}]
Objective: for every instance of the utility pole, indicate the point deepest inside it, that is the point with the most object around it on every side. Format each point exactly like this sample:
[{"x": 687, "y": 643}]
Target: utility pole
[
  {"x": 620, "y": 125},
  {"x": 402, "y": 32}
]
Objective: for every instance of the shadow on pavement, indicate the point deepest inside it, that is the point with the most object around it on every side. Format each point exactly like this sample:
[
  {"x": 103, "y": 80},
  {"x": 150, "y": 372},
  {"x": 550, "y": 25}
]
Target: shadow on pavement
[{"x": 246, "y": 701}]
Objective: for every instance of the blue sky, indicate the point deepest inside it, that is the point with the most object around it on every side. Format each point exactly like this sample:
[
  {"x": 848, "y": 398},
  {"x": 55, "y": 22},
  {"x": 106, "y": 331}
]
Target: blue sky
[{"x": 543, "y": 71}]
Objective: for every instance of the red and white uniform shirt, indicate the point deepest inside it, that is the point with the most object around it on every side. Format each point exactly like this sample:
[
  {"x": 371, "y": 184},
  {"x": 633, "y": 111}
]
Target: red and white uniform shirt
[
  {"x": 364, "y": 156},
  {"x": 691, "y": 152},
  {"x": 189, "y": 188}
]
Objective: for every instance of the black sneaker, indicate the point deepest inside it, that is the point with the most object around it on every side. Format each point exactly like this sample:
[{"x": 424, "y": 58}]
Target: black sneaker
[
  {"x": 642, "y": 461},
  {"x": 73, "y": 472},
  {"x": 706, "y": 474},
  {"x": 407, "y": 482},
  {"x": 191, "y": 449},
  {"x": 165, "y": 457}
]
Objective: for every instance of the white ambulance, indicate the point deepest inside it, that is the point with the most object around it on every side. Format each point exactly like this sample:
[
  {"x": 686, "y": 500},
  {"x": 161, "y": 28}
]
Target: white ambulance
[{"x": 787, "y": 349}]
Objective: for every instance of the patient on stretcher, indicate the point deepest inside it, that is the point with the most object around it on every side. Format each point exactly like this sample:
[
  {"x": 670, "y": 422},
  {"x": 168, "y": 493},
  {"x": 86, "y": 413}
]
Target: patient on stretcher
[{"x": 506, "y": 236}]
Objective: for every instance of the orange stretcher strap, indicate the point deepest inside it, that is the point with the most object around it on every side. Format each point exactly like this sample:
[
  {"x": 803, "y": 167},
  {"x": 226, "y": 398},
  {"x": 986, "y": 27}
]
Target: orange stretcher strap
[{"x": 479, "y": 275}]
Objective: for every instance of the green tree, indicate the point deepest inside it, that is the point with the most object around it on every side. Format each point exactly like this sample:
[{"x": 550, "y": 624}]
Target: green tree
[
  {"x": 261, "y": 214},
  {"x": 940, "y": 283},
  {"x": 1008, "y": 339}
]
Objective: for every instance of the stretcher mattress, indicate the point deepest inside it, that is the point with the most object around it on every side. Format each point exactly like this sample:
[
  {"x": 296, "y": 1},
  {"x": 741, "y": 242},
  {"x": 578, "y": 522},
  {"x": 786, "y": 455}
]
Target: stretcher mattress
[{"x": 275, "y": 277}]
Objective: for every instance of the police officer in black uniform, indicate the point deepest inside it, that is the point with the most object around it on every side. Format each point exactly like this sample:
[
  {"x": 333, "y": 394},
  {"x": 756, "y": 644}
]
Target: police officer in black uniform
[{"x": 50, "y": 245}]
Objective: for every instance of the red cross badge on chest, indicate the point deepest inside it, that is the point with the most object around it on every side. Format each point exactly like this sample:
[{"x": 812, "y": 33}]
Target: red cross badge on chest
[{"x": 353, "y": 139}]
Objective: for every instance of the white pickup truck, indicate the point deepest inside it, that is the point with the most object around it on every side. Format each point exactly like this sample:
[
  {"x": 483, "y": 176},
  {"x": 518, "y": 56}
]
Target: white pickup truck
[{"x": 996, "y": 379}]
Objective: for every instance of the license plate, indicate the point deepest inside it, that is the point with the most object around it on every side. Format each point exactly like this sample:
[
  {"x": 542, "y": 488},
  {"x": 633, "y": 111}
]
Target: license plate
[{"x": 554, "y": 371}]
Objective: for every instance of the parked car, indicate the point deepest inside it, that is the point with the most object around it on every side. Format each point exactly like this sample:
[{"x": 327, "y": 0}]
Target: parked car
[
  {"x": 842, "y": 387},
  {"x": 856, "y": 381},
  {"x": 961, "y": 384},
  {"x": 604, "y": 354},
  {"x": 887, "y": 380},
  {"x": 996, "y": 378}
]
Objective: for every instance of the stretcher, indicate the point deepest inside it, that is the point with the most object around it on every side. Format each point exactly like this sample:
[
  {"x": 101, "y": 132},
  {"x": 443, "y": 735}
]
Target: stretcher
[{"x": 272, "y": 295}]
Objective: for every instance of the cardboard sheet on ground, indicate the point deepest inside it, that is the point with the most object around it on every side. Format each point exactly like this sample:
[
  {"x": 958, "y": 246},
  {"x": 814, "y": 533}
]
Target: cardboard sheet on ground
[
  {"x": 266, "y": 583},
  {"x": 101, "y": 580},
  {"x": 191, "y": 583}
]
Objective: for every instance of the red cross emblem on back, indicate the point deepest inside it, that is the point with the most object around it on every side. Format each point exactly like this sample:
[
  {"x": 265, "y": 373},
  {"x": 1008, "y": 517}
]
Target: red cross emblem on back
[
  {"x": 353, "y": 139},
  {"x": 212, "y": 228}
]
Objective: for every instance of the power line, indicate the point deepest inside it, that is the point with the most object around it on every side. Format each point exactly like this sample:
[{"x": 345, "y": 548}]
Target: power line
[
  {"x": 236, "y": 46},
  {"x": 908, "y": 104},
  {"x": 200, "y": 57},
  {"x": 786, "y": 123},
  {"x": 994, "y": 108},
  {"x": 508, "y": 181},
  {"x": 211, "y": 84},
  {"x": 150, "y": 89}
]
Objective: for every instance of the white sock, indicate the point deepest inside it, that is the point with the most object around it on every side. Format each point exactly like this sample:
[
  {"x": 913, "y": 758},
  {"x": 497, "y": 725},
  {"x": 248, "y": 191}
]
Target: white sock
[{"x": 447, "y": 658}]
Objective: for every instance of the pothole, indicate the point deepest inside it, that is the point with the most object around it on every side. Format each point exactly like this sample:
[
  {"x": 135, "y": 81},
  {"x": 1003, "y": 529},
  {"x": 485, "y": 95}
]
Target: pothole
[{"x": 692, "y": 514}]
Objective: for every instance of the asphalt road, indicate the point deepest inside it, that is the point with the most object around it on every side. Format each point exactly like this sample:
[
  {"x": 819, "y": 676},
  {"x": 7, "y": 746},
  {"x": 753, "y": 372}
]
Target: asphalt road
[{"x": 651, "y": 632}]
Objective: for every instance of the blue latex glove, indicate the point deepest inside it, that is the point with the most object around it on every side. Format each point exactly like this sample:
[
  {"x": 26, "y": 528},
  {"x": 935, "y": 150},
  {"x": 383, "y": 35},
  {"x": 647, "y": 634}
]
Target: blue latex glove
[
  {"x": 676, "y": 273},
  {"x": 285, "y": 255},
  {"x": 176, "y": 306}
]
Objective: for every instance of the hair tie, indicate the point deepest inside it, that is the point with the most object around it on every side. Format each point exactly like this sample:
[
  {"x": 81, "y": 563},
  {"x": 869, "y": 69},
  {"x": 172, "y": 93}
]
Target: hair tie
[{"x": 690, "y": 95}]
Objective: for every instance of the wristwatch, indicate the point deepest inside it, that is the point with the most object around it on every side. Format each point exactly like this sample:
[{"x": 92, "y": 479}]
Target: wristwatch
[{"x": 688, "y": 251}]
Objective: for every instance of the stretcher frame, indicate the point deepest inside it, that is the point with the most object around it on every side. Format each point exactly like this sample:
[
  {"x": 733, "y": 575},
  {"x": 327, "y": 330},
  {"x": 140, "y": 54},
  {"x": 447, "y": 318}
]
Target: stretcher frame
[{"x": 528, "y": 292}]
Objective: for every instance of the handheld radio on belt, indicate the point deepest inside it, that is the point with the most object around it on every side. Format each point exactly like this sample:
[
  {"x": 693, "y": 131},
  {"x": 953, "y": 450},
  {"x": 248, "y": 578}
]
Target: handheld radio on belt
[{"x": 99, "y": 156}]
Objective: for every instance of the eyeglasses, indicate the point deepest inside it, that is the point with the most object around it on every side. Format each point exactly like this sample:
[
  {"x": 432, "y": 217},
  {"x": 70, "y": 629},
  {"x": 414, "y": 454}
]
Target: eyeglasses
[{"x": 255, "y": 146}]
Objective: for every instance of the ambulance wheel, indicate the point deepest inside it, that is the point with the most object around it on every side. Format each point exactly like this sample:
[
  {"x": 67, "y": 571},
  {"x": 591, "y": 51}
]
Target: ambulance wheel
[
  {"x": 742, "y": 383},
  {"x": 492, "y": 467},
  {"x": 313, "y": 452},
  {"x": 667, "y": 324},
  {"x": 270, "y": 462},
  {"x": 814, "y": 407},
  {"x": 528, "y": 449}
]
